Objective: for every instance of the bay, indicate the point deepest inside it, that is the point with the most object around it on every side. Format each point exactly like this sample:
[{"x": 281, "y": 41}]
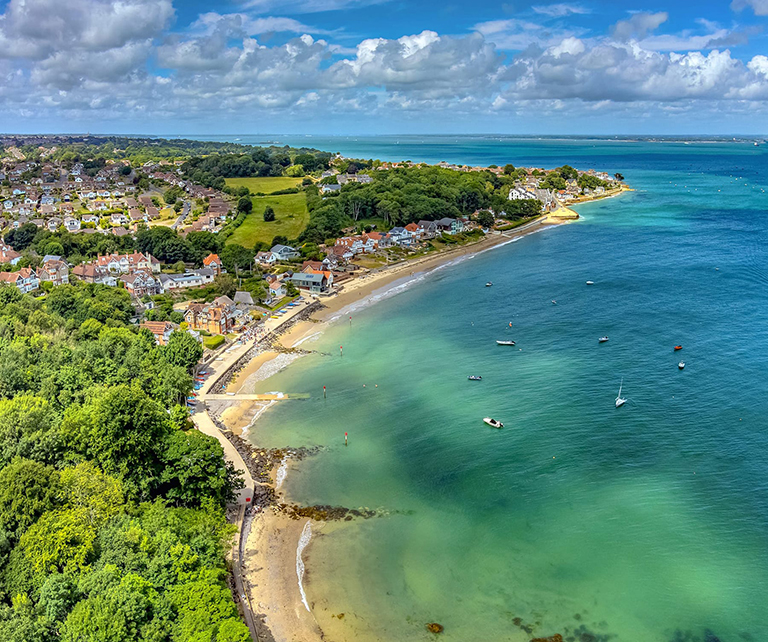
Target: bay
[{"x": 645, "y": 523}]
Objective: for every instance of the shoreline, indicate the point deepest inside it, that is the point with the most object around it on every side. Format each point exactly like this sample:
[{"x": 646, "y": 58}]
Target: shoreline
[{"x": 277, "y": 544}]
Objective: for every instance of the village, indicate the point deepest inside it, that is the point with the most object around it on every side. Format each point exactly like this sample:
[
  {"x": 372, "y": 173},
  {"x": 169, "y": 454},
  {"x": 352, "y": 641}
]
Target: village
[{"x": 119, "y": 200}]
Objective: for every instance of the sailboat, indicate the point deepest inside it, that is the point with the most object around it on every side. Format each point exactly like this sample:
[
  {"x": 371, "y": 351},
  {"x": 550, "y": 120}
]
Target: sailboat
[{"x": 620, "y": 401}]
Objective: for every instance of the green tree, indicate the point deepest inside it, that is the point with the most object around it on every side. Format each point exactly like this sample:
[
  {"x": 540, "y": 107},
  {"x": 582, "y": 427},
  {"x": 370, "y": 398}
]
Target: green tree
[
  {"x": 123, "y": 430},
  {"x": 27, "y": 490},
  {"x": 485, "y": 219},
  {"x": 183, "y": 350},
  {"x": 509, "y": 168},
  {"x": 245, "y": 205},
  {"x": 269, "y": 214},
  {"x": 195, "y": 469},
  {"x": 225, "y": 285}
]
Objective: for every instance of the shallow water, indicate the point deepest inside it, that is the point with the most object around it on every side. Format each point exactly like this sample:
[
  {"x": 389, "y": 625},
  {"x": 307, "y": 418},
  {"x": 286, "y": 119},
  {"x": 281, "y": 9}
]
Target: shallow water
[{"x": 643, "y": 523}]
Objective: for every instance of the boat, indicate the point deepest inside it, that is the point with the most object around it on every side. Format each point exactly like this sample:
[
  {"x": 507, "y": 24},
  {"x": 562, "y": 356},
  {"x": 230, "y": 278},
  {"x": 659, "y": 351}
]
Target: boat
[
  {"x": 681, "y": 365},
  {"x": 590, "y": 282},
  {"x": 493, "y": 423},
  {"x": 505, "y": 343},
  {"x": 489, "y": 284},
  {"x": 602, "y": 339},
  {"x": 475, "y": 378},
  {"x": 554, "y": 302},
  {"x": 620, "y": 401},
  {"x": 678, "y": 348}
]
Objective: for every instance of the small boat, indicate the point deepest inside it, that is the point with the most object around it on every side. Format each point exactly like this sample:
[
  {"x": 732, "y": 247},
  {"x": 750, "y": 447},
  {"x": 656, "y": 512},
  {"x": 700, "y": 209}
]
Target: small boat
[
  {"x": 602, "y": 339},
  {"x": 475, "y": 378},
  {"x": 678, "y": 348},
  {"x": 493, "y": 423},
  {"x": 681, "y": 365},
  {"x": 554, "y": 302},
  {"x": 505, "y": 343},
  {"x": 620, "y": 401},
  {"x": 590, "y": 282},
  {"x": 489, "y": 284}
]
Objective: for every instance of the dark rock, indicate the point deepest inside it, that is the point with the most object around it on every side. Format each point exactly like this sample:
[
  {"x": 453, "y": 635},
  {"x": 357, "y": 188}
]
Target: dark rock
[
  {"x": 710, "y": 637},
  {"x": 434, "y": 627},
  {"x": 552, "y": 638}
]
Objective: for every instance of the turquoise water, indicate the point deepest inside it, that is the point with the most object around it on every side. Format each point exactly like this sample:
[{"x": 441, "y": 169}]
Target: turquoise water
[{"x": 645, "y": 523}]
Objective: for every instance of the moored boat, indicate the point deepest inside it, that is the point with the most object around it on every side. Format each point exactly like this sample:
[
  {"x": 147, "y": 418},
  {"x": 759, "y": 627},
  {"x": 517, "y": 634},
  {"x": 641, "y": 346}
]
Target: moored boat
[
  {"x": 602, "y": 339},
  {"x": 505, "y": 343},
  {"x": 678, "y": 348},
  {"x": 681, "y": 365},
  {"x": 590, "y": 282},
  {"x": 489, "y": 284},
  {"x": 493, "y": 423},
  {"x": 620, "y": 401},
  {"x": 475, "y": 378}
]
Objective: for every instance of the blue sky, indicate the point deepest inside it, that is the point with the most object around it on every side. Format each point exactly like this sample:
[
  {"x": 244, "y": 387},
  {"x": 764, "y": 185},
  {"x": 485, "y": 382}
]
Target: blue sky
[{"x": 379, "y": 66}]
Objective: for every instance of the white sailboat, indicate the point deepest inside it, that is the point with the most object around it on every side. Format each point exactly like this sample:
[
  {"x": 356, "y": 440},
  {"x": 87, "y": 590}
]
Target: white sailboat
[{"x": 620, "y": 401}]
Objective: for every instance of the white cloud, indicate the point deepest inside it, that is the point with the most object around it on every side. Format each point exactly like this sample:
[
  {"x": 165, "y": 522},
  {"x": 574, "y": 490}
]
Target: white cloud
[
  {"x": 760, "y": 7},
  {"x": 561, "y": 10},
  {"x": 306, "y": 6},
  {"x": 638, "y": 26}
]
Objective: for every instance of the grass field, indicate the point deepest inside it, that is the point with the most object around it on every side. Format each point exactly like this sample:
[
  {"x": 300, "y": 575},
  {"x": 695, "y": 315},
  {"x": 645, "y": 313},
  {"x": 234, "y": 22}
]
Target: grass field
[
  {"x": 291, "y": 216},
  {"x": 267, "y": 185}
]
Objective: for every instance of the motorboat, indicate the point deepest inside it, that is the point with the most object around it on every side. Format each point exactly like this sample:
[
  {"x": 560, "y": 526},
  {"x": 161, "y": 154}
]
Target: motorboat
[
  {"x": 678, "y": 348},
  {"x": 681, "y": 365},
  {"x": 475, "y": 378},
  {"x": 590, "y": 282},
  {"x": 493, "y": 423},
  {"x": 489, "y": 284},
  {"x": 505, "y": 343},
  {"x": 620, "y": 401},
  {"x": 602, "y": 339}
]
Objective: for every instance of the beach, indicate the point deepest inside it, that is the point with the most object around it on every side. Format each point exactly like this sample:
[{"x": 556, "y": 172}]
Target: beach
[{"x": 270, "y": 554}]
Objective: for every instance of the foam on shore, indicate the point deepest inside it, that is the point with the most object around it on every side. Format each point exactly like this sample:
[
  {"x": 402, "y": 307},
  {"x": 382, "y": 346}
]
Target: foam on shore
[{"x": 306, "y": 536}]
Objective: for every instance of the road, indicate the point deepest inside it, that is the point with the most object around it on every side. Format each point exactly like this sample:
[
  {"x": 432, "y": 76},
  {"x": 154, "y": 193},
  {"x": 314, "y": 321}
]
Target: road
[{"x": 183, "y": 215}]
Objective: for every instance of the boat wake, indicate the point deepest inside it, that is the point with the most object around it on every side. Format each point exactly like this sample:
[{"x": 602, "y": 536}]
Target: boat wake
[{"x": 306, "y": 535}]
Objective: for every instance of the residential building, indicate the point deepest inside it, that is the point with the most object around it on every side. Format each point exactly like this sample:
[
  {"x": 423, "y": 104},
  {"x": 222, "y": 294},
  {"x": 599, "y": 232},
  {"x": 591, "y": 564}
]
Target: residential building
[
  {"x": 213, "y": 262},
  {"x": 141, "y": 282},
  {"x": 284, "y": 253},
  {"x": 212, "y": 318},
  {"x": 25, "y": 280},
  {"x": 53, "y": 270},
  {"x": 8, "y": 254},
  {"x": 312, "y": 282},
  {"x": 160, "y": 329}
]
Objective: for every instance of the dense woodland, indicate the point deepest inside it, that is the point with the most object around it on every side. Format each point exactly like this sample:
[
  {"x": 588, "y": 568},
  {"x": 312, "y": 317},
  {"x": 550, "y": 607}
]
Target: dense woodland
[
  {"x": 410, "y": 194},
  {"x": 111, "y": 505}
]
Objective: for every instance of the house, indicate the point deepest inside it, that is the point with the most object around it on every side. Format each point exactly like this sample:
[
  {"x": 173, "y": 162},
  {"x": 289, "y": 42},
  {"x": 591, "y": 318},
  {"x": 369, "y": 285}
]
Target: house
[
  {"x": 243, "y": 299},
  {"x": 284, "y": 253},
  {"x": 141, "y": 282},
  {"x": 212, "y": 318},
  {"x": 330, "y": 189},
  {"x": 120, "y": 231},
  {"x": 71, "y": 224},
  {"x": 90, "y": 273},
  {"x": 276, "y": 291},
  {"x": 8, "y": 254},
  {"x": 312, "y": 282},
  {"x": 520, "y": 194},
  {"x": 449, "y": 225},
  {"x": 160, "y": 329},
  {"x": 400, "y": 236},
  {"x": 190, "y": 279},
  {"x": 427, "y": 229},
  {"x": 118, "y": 218},
  {"x": 53, "y": 224},
  {"x": 213, "y": 262},
  {"x": 90, "y": 218},
  {"x": 265, "y": 258},
  {"x": 53, "y": 270},
  {"x": 25, "y": 280},
  {"x": 128, "y": 263}
]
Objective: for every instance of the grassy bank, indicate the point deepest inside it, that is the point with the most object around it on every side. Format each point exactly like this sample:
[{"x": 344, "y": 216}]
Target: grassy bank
[
  {"x": 291, "y": 217},
  {"x": 264, "y": 184}
]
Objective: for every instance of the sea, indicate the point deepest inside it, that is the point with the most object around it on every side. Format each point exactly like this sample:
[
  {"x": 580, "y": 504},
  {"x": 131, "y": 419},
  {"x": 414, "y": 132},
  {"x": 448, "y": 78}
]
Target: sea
[{"x": 645, "y": 523}]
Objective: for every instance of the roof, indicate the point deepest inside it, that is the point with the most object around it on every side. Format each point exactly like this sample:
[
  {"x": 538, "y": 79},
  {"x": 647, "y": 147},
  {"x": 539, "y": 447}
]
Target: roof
[
  {"x": 211, "y": 258},
  {"x": 312, "y": 278},
  {"x": 157, "y": 327},
  {"x": 244, "y": 297},
  {"x": 279, "y": 248}
]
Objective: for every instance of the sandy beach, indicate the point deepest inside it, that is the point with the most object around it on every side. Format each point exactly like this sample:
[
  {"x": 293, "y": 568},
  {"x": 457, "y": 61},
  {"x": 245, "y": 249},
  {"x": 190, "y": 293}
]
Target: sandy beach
[{"x": 274, "y": 539}]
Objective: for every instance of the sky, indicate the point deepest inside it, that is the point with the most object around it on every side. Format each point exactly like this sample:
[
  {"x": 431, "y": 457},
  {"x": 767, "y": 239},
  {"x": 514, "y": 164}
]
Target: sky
[{"x": 360, "y": 67}]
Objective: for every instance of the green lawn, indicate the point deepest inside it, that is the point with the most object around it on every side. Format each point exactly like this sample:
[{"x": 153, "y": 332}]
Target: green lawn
[
  {"x": 291, "y": 216},
  {"x": 267, "y": 185}
]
